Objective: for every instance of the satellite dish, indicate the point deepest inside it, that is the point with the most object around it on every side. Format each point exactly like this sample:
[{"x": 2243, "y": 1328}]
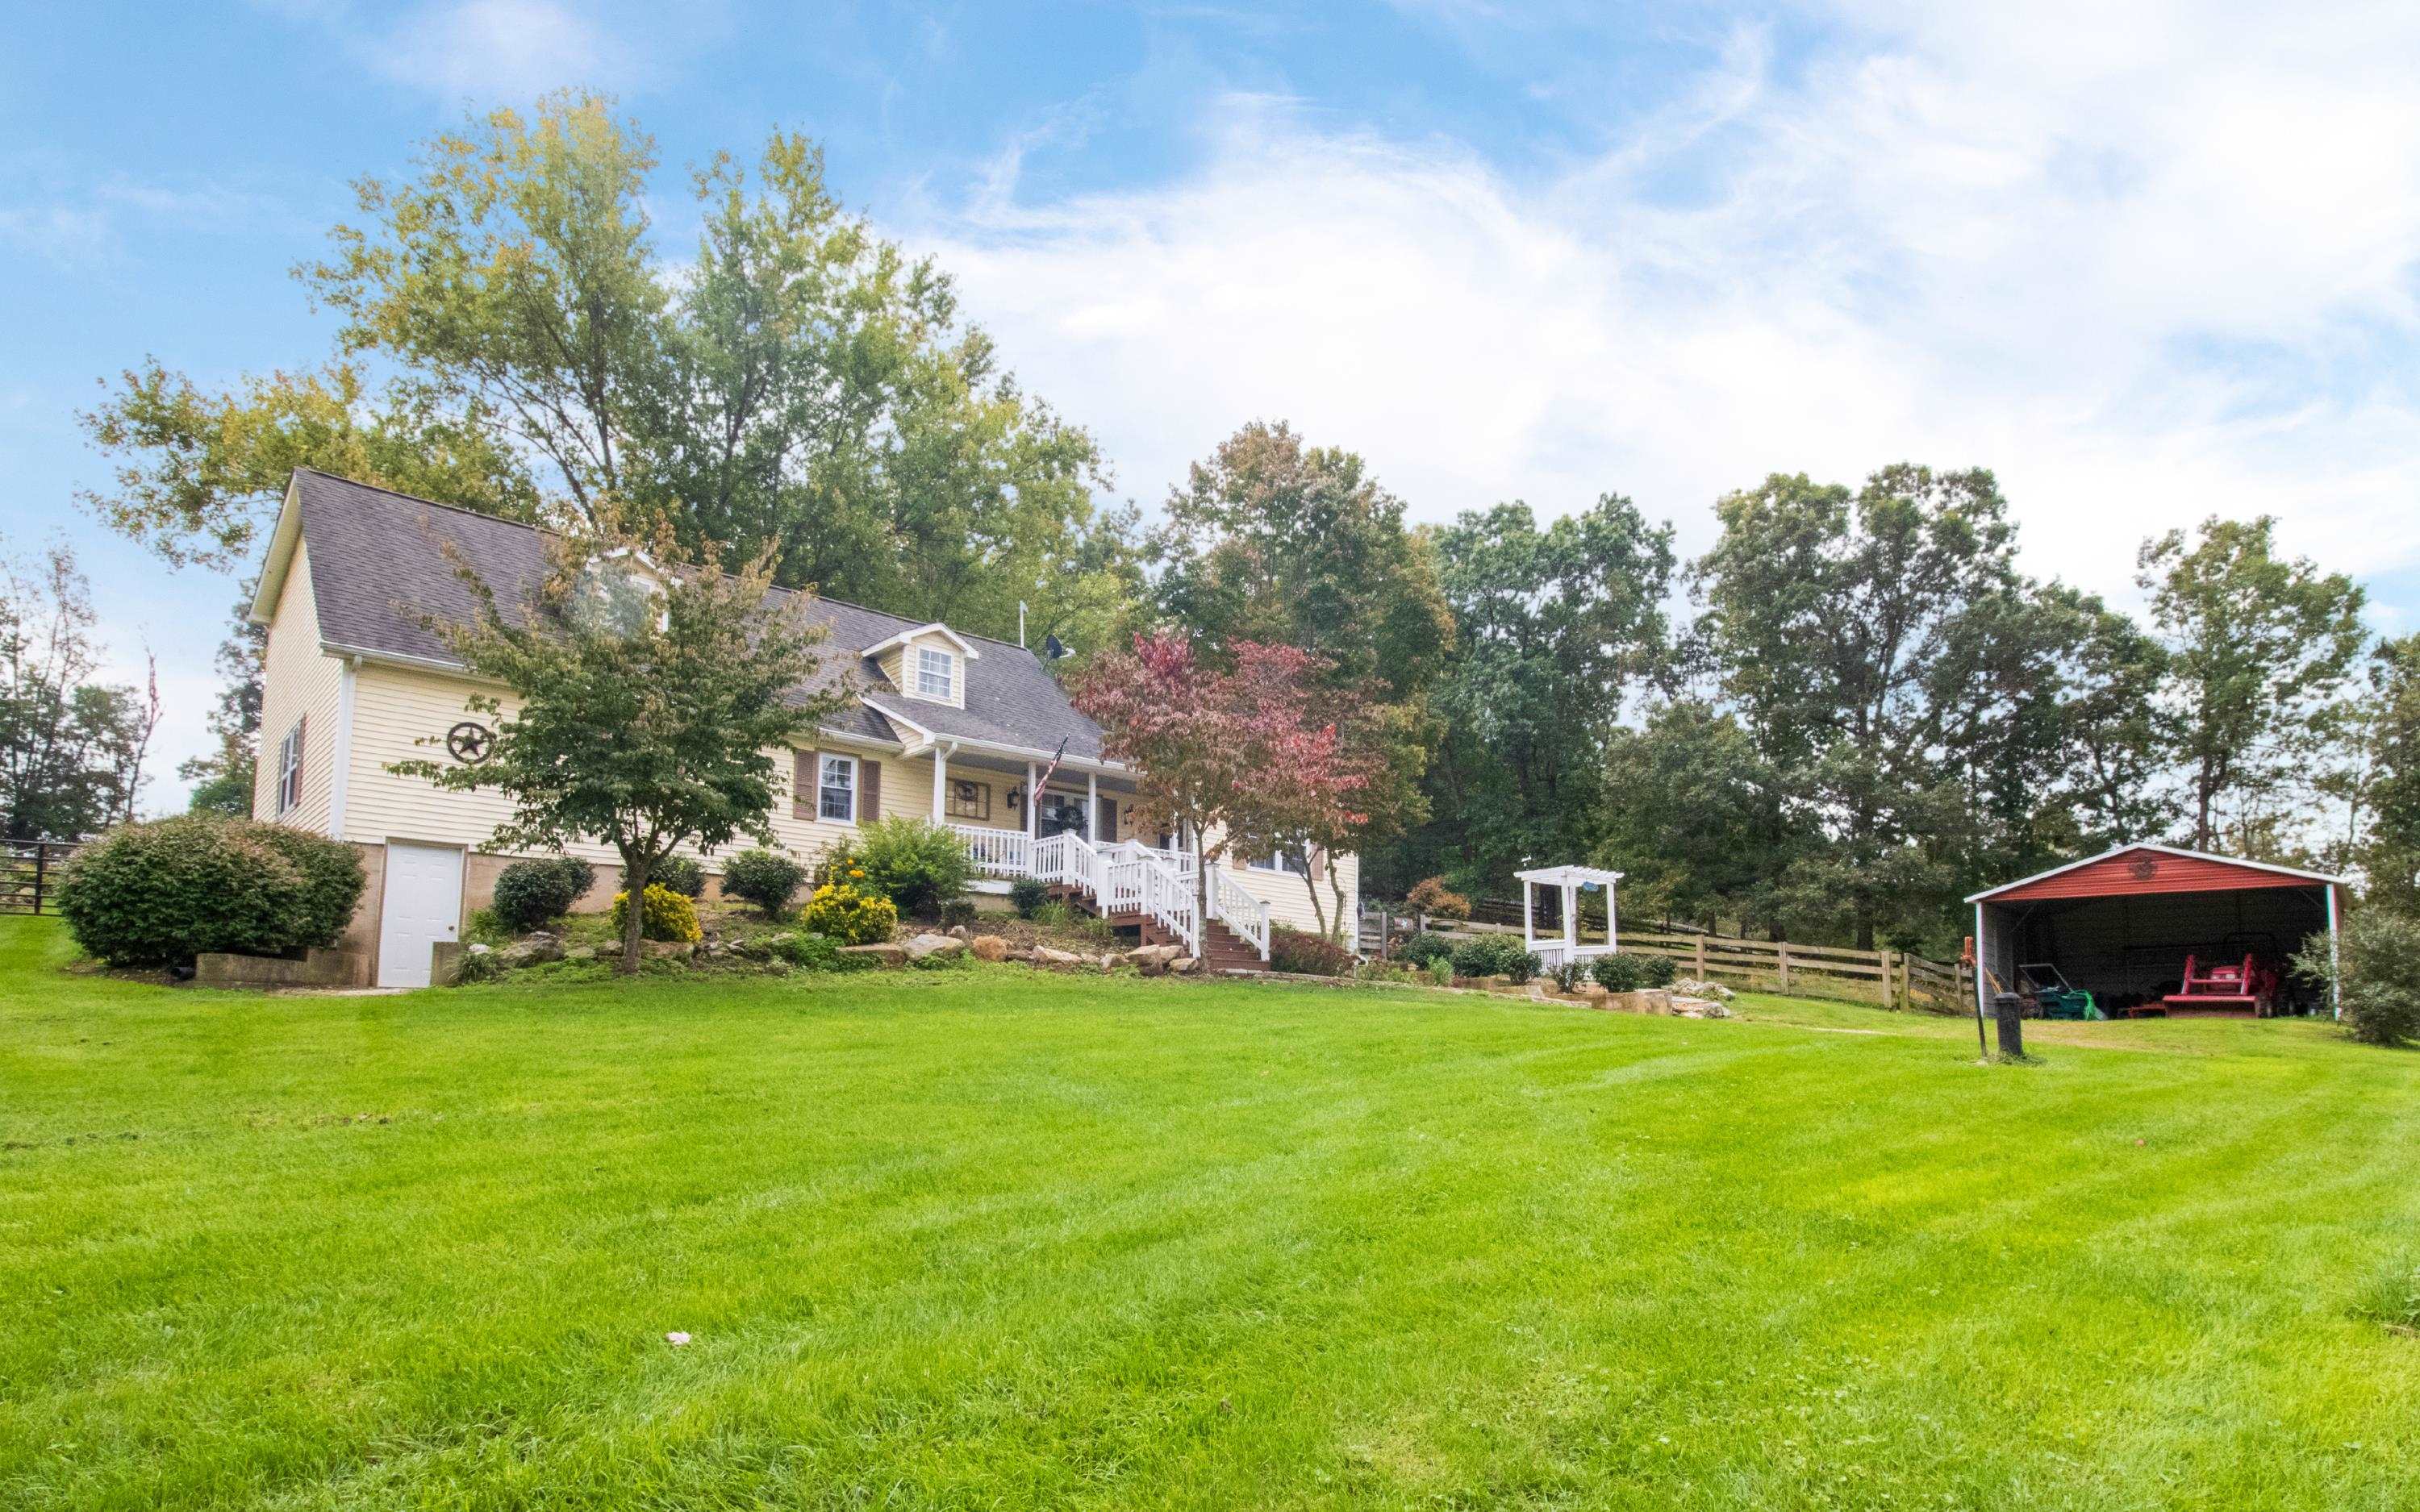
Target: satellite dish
[{"x": 1053, "y": 647}]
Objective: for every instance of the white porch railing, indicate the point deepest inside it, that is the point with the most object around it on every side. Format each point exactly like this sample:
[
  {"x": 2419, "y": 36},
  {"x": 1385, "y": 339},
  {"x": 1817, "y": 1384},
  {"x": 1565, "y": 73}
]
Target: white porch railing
[
  {"x": 1128, "y": 877},
  {"x": 1553, "y": 953},
  {"x": 1246, "y": 916},
  {"x": 997, "y": 853}
]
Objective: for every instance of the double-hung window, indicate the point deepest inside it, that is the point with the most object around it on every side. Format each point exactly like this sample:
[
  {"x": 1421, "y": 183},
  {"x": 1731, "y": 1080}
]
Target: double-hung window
[
  {"x": 836, "y": 789},
  {"x": 1291, "y": 858},
  {"x": 289, "y": 768},
  {"x": 937, "y": 674}
]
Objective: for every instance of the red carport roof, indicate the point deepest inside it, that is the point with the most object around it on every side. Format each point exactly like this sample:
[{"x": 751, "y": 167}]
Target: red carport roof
[{"x": 2144, "y": 868}]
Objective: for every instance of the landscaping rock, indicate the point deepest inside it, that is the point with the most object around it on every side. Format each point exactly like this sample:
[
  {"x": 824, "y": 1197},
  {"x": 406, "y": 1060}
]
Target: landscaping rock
[
  {"x": 883, "y": 955},
  {"x": 1184, "y": 965},
  {"x": 666, "y": 949},
  {"x": 1152, "y": 960},
  {"x": 959, "y": 932},
  {"x": 1698, "y": 1008},
  {"x": 1044, "y": 956},
  {"x": 925, "y": 947},
  {"x": 989, "y": 948},
  {"x": 532, "y": 949},
  {"x": 1697, "y": 987},
  {"x": 580, "y": 952}
]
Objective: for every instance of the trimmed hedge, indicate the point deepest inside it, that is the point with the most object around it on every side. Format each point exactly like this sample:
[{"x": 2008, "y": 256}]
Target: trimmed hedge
[
  {"x": 1495, "y": 955},
  {"x": 534, "y": 894},
  {"x": 765, "y": 878},
  {"x": 1423, "y": 951},
  {"x": 679, "y": 874},
  {"x": 161, "y": 893}
]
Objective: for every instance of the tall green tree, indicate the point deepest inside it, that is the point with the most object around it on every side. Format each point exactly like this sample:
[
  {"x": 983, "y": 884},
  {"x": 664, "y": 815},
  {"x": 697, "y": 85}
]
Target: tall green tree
[
  {"x": 72, "y": 746},
  {"x": 2259, "y": 649},
  {"x": 1276, "y": 542},
  {"x": 650, "y": 690},
  {"x": 1844, "y": 628},
  {"x": 1554, "y": 628},
  {"x": 2388, "y": 851},
  {"x": 1695, "y": 819},
  {"x": 794, "y": 382}
]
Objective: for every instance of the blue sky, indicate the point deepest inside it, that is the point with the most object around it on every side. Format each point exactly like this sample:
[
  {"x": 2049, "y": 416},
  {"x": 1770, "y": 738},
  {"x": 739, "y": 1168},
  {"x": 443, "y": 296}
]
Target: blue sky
[{"x": 2148, "y": 261}]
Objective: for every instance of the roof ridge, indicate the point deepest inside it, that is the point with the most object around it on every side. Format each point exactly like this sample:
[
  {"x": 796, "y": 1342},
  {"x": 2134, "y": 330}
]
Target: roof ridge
[{"x": 541, "y": 530}]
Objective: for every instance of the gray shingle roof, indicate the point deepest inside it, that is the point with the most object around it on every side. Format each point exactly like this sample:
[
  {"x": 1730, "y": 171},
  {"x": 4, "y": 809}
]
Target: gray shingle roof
[{"x": 379, "y": 561}]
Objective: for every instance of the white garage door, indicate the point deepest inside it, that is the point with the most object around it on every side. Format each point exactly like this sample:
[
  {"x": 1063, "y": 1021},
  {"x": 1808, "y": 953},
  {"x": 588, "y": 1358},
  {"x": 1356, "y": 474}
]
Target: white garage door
[{"x": 424, "y": 905}]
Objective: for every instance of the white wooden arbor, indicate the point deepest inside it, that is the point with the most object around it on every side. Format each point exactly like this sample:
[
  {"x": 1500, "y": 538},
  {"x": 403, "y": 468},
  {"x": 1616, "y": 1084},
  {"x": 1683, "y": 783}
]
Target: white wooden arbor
[{"x": 1572, "y": 881}]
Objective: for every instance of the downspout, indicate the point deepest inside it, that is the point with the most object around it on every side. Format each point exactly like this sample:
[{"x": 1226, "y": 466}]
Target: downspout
[{"x": 1982, "y": 953}]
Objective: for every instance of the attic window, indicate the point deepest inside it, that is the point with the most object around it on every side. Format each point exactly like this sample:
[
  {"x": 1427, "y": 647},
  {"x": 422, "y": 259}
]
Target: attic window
[{"x": 937, "y": 674}]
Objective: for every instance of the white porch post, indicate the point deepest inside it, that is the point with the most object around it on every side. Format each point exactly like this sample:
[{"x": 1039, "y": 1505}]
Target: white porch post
[
  {"x": 1032, "y": 803},
  {"x": 940, "y": 776},
  {"x": 1528, "y": 928},
  {"x": 1571, "y": 920},
  {"x": 1093, "y": 807}
]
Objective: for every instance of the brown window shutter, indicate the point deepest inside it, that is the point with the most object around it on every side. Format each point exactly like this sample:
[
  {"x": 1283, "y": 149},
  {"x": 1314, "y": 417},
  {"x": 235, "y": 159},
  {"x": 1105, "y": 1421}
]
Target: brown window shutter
[
  {"x": 806, "y": 771},
  {"x": 869, "y": 791}
]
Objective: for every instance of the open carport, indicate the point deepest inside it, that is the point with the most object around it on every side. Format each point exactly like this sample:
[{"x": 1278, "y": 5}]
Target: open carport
[{"x": 2123, "y": 925}]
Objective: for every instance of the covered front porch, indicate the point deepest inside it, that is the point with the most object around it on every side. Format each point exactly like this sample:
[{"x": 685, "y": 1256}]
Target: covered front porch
[{"x": 1072, "y": 829}]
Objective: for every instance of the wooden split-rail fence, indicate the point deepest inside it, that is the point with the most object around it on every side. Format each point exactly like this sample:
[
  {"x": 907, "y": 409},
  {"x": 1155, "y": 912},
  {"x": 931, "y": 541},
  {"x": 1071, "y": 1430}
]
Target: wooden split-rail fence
[
  {"x": 29, "y": 874},
  {"x": 1891, "y": 979}
]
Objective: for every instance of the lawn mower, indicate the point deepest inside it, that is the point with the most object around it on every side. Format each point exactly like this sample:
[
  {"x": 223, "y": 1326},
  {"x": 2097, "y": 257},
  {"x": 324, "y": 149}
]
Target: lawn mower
[{"x": 2052, "y": 997}]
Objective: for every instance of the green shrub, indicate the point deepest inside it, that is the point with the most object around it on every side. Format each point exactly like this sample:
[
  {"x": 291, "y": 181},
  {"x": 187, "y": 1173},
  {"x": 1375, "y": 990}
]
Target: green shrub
[
  {"x": 163, "y": 892},
  {"x": 818, "y": 952},
  {"x": 1617, "y": 973},
  {"x": 679, "y": 874},
  {"x": 765, "y": 878},
  {"x": 1569, "y": 975},
  {"x": 532, "y": 894},
  {"x": 578, "y": 875},
  {"x": 2375, "y": 972},
  {"x": 663, "y": 915},
  {"x": 959, "y": 911},
  {"x": 1494, "y": 955},
  {"x": 1656, "y": 970},
  {"x": 1420, "y": 950},
  {"x": 1312, "y": 955},
  {"x": 850, "y": 916},
  {"x": 1441, "y": 970},
  {"x": 915, "y": 863},
  {"x": 1027, "y": 895}
]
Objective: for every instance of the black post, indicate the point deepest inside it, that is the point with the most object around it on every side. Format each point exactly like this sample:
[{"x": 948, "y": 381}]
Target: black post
[
  {"x": 2006, "y": 1006},
  {"x": 41, "y": 853}
]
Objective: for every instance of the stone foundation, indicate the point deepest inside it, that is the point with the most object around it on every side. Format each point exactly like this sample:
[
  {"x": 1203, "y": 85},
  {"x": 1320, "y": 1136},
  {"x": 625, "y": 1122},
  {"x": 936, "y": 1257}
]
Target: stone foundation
[{"x": 317, "y": 969}]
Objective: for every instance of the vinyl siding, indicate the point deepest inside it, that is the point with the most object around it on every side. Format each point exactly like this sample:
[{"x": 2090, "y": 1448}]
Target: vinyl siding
[
  {"x": 1290, "y": 901},
  {"x": 298, "y": 681}
]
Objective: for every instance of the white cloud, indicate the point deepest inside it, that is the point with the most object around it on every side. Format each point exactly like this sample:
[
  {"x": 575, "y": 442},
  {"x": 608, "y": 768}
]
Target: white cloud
[
  {"x": 2148, "y": 264},
  {"x": 508, "y": 50}
]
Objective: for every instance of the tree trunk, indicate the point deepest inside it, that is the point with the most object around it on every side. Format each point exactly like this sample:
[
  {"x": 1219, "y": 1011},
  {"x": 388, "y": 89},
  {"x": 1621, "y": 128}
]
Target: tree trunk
[
  {"x": 1318, "y": 913},
  {"x": 635, "y": 873}
]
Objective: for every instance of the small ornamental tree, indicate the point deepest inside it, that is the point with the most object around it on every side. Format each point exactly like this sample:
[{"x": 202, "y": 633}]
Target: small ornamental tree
[
  {"x": 1234, "y": 758},
  {"x": 648, "y": 691}
]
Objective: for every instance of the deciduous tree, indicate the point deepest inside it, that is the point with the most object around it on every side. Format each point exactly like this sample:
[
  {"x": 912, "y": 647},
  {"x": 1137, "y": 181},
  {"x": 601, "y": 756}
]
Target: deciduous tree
[
  {"x": 2258, "y": 649},
  {"x": 72, "y": 746},
  {"x": 649, "y": 690}
]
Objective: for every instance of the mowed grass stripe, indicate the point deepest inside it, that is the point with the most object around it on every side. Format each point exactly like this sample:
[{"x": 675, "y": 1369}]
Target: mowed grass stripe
[{"x": 999, "y": 1240}]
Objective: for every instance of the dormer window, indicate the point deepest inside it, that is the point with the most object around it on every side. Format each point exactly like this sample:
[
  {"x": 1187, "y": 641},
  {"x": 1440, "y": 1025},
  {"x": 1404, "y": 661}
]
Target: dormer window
[{"x": 937, "y": 674}]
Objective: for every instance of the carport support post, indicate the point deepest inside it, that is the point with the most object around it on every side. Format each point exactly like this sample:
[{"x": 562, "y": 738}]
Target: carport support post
[
  {"x": 2335, "y": 967},
  {"x": 1982, "y": 1046}
]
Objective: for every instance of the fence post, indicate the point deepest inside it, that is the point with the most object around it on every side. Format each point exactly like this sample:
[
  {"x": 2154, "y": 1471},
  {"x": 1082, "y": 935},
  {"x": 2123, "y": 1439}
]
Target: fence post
[
  {"x": 1906, "y": 982},
  {"x": 41, "y": 853},
  {"x": 1782, "y": 949},
  {"x": 1702, "y": 958},
  {"x": 1889, "y": 981}
]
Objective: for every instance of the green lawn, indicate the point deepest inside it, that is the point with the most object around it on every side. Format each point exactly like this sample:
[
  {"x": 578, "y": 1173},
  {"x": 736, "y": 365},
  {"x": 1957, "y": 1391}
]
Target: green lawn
[{"x": 989, "y": 1239}]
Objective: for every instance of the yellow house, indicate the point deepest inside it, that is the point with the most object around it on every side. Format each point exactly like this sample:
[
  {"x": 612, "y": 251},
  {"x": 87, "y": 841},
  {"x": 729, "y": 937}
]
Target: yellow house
[{"x": 958, "y": 729}]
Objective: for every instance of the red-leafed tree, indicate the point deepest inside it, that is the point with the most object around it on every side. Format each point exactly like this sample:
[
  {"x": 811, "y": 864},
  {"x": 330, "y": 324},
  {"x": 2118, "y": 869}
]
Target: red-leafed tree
[{"x": 1246, "y": 761}]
